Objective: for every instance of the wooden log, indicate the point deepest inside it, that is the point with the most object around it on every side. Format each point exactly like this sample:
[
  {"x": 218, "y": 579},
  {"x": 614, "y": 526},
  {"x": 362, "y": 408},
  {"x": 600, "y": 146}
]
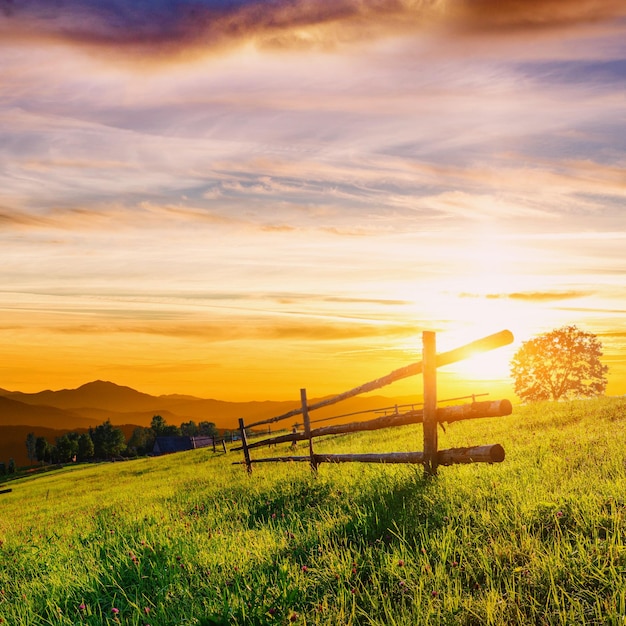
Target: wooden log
[
  {"x": 477, "y": 454},
  {"x": 389, "y": 457},
  {"x": 277, "y": 459},
  {"x": 307, "y": 428},
  {"x": 244, "y": 441},
  {"x": 493, "y": 453},
  {"x": 488, "y": 408},
  {"x": 446, "y": 414},
  {"x": 429, "y": 359},
  {"x": 491, "y": 342},
  {"x": 5, "y": 491},
  {"x": 273, "y": 440}
]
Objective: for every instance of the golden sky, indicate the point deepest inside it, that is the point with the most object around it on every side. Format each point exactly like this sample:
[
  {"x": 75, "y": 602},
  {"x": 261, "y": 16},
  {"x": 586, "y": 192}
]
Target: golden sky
[{"x": 239, "y": 199}]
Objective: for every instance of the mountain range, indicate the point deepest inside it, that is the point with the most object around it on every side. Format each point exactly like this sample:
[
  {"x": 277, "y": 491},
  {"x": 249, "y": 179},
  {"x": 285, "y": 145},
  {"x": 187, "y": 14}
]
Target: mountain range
[{"x": 95, "y": 402}]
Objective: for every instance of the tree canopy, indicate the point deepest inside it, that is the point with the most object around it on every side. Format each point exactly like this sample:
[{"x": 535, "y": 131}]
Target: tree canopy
[{"x": 561, "y": 364}]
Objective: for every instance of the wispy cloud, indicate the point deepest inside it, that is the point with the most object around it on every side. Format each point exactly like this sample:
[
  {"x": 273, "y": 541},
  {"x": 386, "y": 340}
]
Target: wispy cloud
[
  {"x": 536, "y": 296},
  {"x": 200, "y": 173},
  {"x": 174, "y": 28}
]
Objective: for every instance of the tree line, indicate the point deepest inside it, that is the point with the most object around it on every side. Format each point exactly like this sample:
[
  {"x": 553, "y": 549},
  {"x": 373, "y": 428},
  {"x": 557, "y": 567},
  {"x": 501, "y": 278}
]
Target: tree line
[{"x": 107, "y": 441}]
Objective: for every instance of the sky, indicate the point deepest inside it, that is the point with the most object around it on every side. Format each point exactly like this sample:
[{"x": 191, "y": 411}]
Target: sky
[{"x": 243, "y": 198}]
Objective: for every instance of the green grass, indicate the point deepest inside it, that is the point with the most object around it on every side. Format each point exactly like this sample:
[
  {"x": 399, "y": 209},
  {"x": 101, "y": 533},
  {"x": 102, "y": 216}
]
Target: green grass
[{"x": 191, "y": 539}]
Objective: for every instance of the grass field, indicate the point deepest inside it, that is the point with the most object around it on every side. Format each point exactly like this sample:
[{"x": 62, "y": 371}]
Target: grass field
[{"x": 191, "y": 539}]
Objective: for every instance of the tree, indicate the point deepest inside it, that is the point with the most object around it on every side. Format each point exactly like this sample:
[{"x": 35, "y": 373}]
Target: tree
[
  {"x": 108, "y": 441},
  {"x": 85, "y": 447},
  {"x": 189, "y": 429},
  {"x": 208, "y": 429},
  {"x": 66, "y": 448},
  {"x": 564, "y": 363},
  {"x": 162, "y": 429},
  {"x": 11, "y": 469},
  {"x": 31, "y": 447},
  {"x": 42, "y": 449},
  {"x": 142, "y": 440}
]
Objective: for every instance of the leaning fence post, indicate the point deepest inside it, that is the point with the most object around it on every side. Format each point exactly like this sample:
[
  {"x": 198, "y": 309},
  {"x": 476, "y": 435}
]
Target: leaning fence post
[
  {"x": 244, "y": 443},
  {"x": 429, "y": 360},
  {"x": 307, "y": 427}
]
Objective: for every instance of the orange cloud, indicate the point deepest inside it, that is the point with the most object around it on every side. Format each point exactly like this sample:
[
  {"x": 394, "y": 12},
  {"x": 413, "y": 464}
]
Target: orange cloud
[
  {"x": 534, "y": 296},
  {"x": 176, "y": 29}
]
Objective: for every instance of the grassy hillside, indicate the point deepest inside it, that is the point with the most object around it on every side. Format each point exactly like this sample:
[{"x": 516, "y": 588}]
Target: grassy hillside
[{"x": 191, "y": 539}]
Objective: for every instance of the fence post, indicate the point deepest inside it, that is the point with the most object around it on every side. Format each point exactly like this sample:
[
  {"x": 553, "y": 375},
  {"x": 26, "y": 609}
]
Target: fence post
[
  {"x": 224, "y": 446},
  {"x": 429, "y": 360},
  {"x": 307, "y": 427},
  {"x": 244, "y": 443}
]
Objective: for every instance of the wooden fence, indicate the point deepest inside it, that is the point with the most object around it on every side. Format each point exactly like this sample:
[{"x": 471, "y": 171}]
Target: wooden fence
[{"x": 430, "y": 416}]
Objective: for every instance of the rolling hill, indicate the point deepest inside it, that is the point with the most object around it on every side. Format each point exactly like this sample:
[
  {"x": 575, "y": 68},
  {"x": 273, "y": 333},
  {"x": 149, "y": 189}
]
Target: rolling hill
[
  {"x": 53, "y": 413},
  {"x": 101, "y": 400}
]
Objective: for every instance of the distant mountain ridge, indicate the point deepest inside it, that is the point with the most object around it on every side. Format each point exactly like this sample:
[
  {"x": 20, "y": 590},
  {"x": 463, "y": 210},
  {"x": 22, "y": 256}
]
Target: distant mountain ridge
[
  {"x": 95, "y": 402},
  {"x": 14, "y": 412}
]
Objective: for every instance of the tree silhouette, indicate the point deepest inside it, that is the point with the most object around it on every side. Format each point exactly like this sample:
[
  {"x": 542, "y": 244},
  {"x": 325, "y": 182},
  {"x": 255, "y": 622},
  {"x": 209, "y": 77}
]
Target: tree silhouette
[
  {"x": 108, "y": 441},
  {"x": 162, "y": 429},
  {"x": 564, "y": 363},
  {"x": 42, "y": 449},
  {"x": 67, "y": 447},
  {"x": 31, "y": 447},
  {"x": 142, "y": 440},
  {"x": 85, "y": 447}
]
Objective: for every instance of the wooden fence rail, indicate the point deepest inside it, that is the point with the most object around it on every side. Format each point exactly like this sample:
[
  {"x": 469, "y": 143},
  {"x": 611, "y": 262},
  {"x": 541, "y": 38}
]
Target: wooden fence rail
[{"x": 430, "y": 416}]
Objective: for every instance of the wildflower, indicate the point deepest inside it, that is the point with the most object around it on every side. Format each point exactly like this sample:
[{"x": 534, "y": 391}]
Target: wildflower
[
  {"x": 272, "y": 611},
  {"x": 559, "y": 513},
  {"x": 353, "y": 590},
  {"x": 434, "y": 594},
  {"x": 401, "y": 563},
  {"x": 82, "y": 607},
  {"x": 146, "y": 610},
  {"x": 305, "y": 568},
  {"x": 293, "y": 617},
  {"x": 115, "y": 611}
]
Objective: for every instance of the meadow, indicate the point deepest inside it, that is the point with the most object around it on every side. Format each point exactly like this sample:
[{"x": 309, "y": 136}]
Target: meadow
[{"x": 192, "y": 539}]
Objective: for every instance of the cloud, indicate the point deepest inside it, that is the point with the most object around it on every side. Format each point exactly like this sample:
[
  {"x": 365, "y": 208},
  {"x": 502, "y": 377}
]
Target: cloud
[
  {"x": 176, "y": 28},
  {"x": 253, "y": 331},
  {"x": 15, "y": 219},
  {"x": 533, "y": 296},
  {"x": 486, "y": 15}
]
